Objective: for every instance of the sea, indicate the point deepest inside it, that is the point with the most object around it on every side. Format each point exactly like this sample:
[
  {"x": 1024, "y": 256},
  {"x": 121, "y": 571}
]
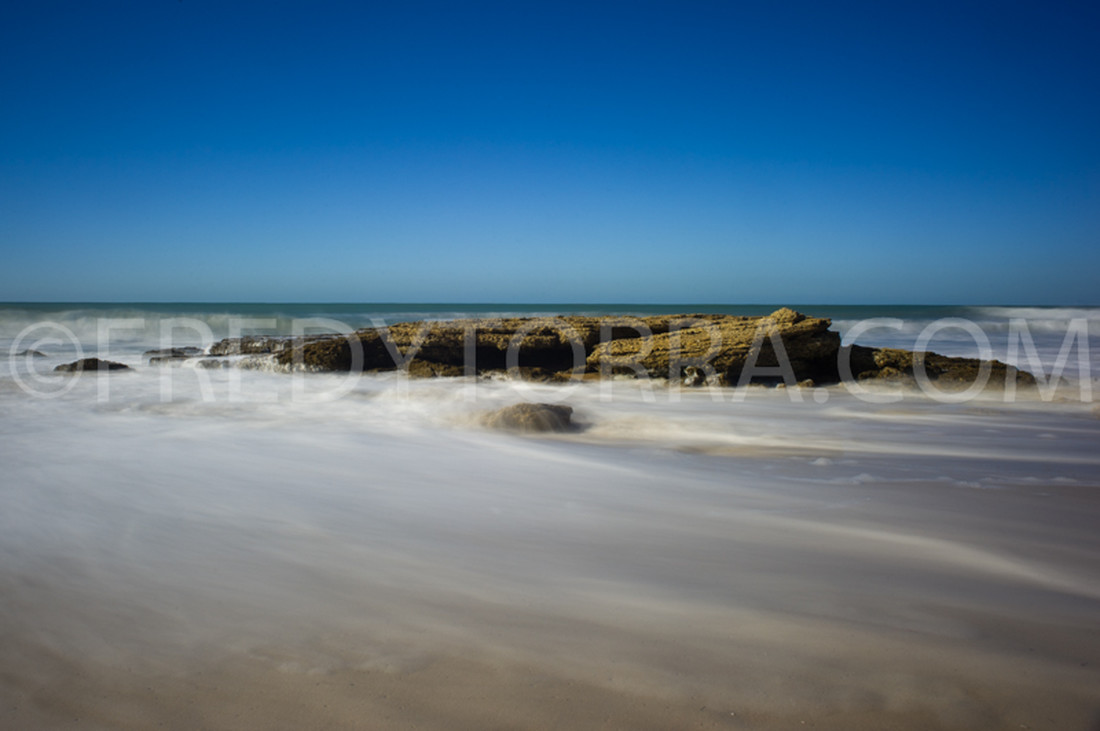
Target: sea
[{"x": 170, "y": 516}]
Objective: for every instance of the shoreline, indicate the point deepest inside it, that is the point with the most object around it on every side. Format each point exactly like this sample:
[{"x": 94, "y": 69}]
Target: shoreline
[
  {"x": 685, "y": 350},
  {"x": 457, "y": 692},
  {"x": 590, "y": 600},
  {"x": 195, "y": 560}
]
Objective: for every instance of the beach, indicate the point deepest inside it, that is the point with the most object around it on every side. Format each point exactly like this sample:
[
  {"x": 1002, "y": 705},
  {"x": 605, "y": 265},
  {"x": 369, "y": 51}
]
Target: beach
[
  {"x": 538, "y": 366},
  {"x": 235, "y": 548}
]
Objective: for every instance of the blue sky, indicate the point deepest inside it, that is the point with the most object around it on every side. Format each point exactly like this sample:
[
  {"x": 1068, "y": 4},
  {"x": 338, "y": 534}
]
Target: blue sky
[{"x": 550, "y": 152}]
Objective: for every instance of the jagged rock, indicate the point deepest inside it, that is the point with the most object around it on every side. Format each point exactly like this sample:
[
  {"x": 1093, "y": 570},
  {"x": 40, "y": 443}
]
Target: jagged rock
[
  {"x": 530, "y": 417},
  {"x": 361, "y": 351},
  {"x": 694, "y": 376},
  {"x": 249, "y": 345},
  {"x": 892, "y": 364},
  {"x": 693, "y": 349},
  {"x": 806, "y": 383},
  {"x": 262, "y": 362},
  {"x": 548, "y": 344},
  {"x": 92, "y": 364},
  {"x": 726, "y": 344},
  {"x": 212, "y": 363},
  {"x": 424, "y": 369},
  {"x": 553, "y": 348}
]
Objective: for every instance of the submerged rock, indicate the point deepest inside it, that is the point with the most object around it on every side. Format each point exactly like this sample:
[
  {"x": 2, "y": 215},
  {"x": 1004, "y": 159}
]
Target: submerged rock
[
  {"x": 92, "y": 364},
  {"x": 209, "y": 363},
  {"x": 531, "y": 418},
  {"x": 172, "y": 355},
  {"x": 165, "y": 355}
]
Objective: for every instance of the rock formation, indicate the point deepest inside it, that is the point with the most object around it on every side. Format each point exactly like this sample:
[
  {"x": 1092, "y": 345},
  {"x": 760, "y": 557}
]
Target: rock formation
[
  {"x": 784, "y": 347},
  {"x": 891, "y": 364},
  {"x": 529, "y": 418},
  {"x": 91, "y": 364},
  {"x": 723, "y": 347},
  {"x": 169, "y": 355},
  {"x": 249, "y": 345}
]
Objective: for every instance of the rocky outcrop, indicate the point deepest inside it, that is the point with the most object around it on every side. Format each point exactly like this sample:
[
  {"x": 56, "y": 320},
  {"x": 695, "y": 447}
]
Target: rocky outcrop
[
  {"x": 535, "y": 347},
  {"x": 212, "y": 363},
  {"x": 91, "y": 364},
  {"x": 184, "y": 352},
  {"x": 29, "y": 353},
  {"x": 170, "y": 355},
  {"x": 784, "y": 347},
  {"x": 531, "y": 418},
  {"x": 723, "y": 348},
  {"x": 902, "y": 366},
  {"x": 249, "y": 345},
  {"x": 563, "y": 347}
]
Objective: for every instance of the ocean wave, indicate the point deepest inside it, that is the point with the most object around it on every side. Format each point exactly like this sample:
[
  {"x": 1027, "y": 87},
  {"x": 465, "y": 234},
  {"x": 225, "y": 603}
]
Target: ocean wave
[
  {"x": 989, "y": 320},
  {"x": 1042, "y": 314}
]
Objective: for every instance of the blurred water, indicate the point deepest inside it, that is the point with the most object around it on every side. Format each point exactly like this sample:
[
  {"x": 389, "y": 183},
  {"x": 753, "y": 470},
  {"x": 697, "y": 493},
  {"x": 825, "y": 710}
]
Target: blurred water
[{"x": 146, "y": 514}]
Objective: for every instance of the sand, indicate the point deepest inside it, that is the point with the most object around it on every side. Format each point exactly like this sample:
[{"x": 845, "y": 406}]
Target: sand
[
  {"x": 250, "y": 566},
  {"x": 854, "y": 621}
]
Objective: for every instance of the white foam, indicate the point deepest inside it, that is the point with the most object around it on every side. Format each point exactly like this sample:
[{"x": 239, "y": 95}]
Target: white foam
[{"x": 239, "y": 509}]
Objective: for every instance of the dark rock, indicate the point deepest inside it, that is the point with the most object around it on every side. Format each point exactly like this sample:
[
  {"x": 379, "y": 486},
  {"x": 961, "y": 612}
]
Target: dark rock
[
  {"x": 729, "y": 345},
  {"x": 30, "y": 354},
  {"x": 949, "y": 374},
  {"x": 212, "y": 363},
  {"x": 172, "y": 355},
  {"x": 550, "y": 345},
  {"x": 92, "y": 364},
  {"x": 185, "y": 352},
  {"x": 531, "y": 418},
  {"x": 694, "y": 376},
  {"x": 364, "y": 350},
  {"x": 425, "y": 369},
  {"x": 249, "y": 345},
  {"x": 690, "y": 349}
]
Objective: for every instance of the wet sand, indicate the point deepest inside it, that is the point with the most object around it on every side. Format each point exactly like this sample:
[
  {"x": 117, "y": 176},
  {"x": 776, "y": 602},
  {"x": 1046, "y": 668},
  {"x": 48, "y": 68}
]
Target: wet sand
[
  {"x": 853, "y": 622},
  {"x": 458, "y": 693},
  {"x": 915, "y": 569}
]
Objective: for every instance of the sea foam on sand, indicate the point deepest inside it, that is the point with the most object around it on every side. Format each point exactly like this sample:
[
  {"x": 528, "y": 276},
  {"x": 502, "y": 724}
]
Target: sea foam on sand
[{"x": 384, "y": 561}]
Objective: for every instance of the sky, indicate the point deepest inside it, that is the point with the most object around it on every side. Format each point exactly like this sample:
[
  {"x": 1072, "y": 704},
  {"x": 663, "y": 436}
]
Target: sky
[{"x": 687, "y": 152}]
